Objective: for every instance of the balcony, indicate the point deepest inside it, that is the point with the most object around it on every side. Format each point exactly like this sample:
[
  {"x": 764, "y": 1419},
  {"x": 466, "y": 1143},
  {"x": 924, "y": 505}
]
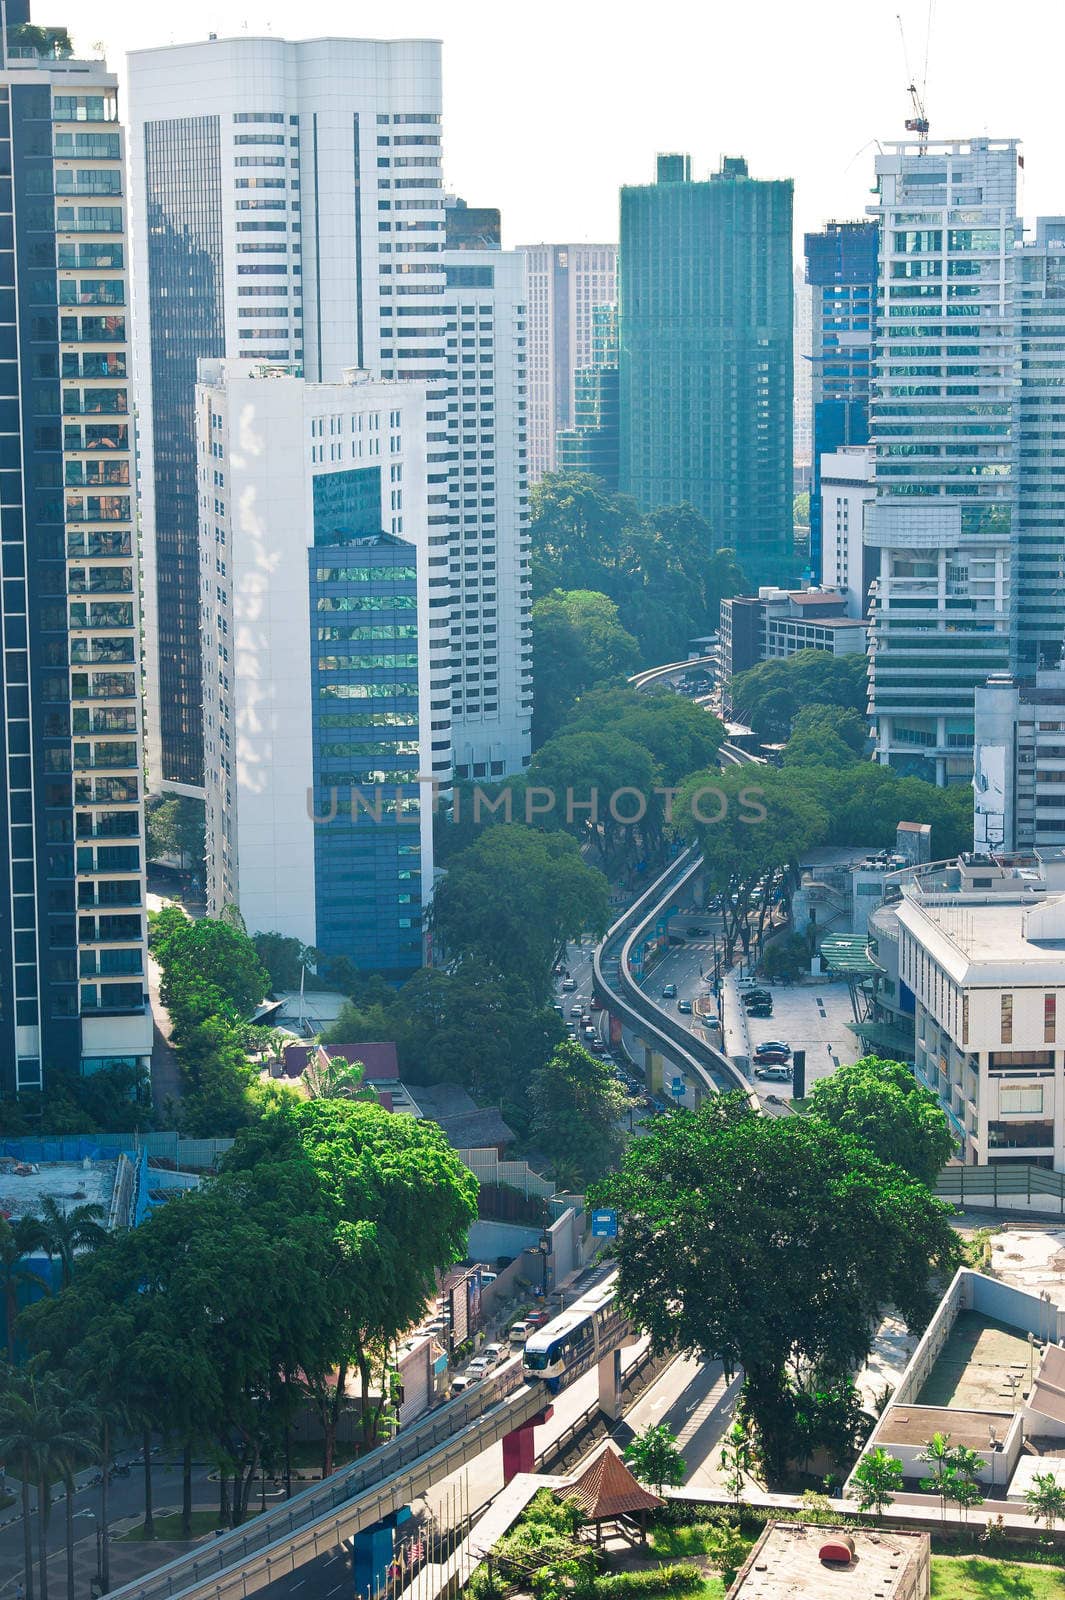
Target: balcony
[{"x": 1020, "y": 1135}]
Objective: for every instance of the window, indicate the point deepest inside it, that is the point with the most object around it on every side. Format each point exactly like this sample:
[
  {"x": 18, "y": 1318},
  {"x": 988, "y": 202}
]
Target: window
[
  {"x": 1006, "y": 1018},
  {"x": 1050, "y": 1018},
  {"x": 1012, "y": 1101}
]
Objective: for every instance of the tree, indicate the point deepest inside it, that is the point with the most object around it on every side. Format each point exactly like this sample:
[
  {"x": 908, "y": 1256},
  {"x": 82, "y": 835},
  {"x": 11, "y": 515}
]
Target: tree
[
  {"x": 748, "y": 827},
  {"x": 19, "y": 1240},
  {"x": 577, "y": 642},
  {"x": 882, "y": 1104},
  {"x": 509, "y": 903},
  {"x": 769, "y": 696},
  {"x": 680, "y": 737},
  {"x": 576, "y": 1103},
  {"x": 878, "y": 1477},
  {"x": 68, "y": 1231},
  {"x": 736, "y": 1455},
  {"x": 1046, "y": 1500},
  {"x": 397, "y": 1203},
  {"x": 770, "y": 1245},
  {"x": 964, "y": 1480},
  {"x": 938, "y": 1455},
  {"x": 338, "y": 1080},
  {"x": 40, "y": 1429},
  {"x": 851, "y": 726},
  {"x": 207, "y": 966},
  {"x": 655, "y": 1459},
  {"x": 285, "y": 959},
  {"x": 586, "y": 773}
]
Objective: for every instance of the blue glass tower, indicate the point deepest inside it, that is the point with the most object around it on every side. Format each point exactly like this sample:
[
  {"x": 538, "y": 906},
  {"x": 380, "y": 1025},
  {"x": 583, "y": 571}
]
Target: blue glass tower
[{"x": 841, "y": 265}]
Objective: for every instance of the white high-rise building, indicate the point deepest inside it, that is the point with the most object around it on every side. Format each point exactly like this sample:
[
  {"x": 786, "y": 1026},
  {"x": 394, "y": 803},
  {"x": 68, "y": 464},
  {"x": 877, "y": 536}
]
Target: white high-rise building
[
  {"x": 803, "y": 424},
  {"x": 288, "y": 208},
  {"x": 846, "y": 480},
  {"x": 564, "y": 284},
  {"x": 491, "y": 700},
  {"x": 317, "y": 609},
  {"x": 941, "y": 418}
]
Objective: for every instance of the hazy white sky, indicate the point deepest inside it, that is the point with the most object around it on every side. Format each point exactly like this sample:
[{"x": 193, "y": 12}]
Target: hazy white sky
[{"x": 550, "y": 105}]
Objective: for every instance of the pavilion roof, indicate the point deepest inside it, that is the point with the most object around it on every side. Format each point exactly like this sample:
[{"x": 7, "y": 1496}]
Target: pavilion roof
[{"x": 606, "y": 1489}]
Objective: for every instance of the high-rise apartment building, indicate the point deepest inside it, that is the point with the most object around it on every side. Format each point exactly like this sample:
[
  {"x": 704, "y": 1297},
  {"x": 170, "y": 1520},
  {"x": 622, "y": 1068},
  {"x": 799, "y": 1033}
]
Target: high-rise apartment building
[
  {"x": 73, "y": 984},
  {"x": 491, "y": 626},
  {"x": 592, "y": 444},
  {"x": 1038, "y": 628},
  {"x": 706, "y": 301},
  {"x": 289, "y": 208},
  {"x": 941, "y": 414},
  {"x": 841, "y": 272},
  {"x": 564, "y": 285},
  {"x": 318, "y": 598}
]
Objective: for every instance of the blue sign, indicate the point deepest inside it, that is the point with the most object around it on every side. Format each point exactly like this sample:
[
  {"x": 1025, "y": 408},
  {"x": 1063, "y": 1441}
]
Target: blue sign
[
  {"x": 604, "y": 1224},
  {"x": 677, "y": 1088}
]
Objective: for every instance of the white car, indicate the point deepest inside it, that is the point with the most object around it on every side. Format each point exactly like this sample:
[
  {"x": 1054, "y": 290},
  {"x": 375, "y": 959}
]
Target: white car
[
  {"x": 478, "y": 1367},
  {"x": 494, "y": 1353}
]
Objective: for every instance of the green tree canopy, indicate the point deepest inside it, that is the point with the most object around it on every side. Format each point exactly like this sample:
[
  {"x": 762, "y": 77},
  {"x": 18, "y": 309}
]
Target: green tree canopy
[
  {"x": 770, "y": 1244},
  {"x": 207, "y": 959},
  {"x": 576, "y": 1104},
  {"x": 882, "y": 1104},
  {"x": 286, "y": 960},
  {"x": 769, "y": 696},
  {"x": 680, "y": 736},
  {"x": 511, "y": 900},
  {"x": 577, "y": 642}
]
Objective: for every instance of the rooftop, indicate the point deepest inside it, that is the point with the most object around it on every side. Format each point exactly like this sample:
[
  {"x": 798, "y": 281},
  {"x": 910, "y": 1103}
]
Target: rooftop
[
  {"x": 915, "y": 1425},
  {"x": 984, "y": 1363},
  {"x": 786, "y": 1563},
  {"x": 994, "y": 934},
  {"x": 23, "y": 1185}
]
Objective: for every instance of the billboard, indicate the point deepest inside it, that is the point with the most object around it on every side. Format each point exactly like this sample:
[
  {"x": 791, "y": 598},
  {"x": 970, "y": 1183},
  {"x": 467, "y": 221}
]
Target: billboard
[{"x": 989, "y": 804}]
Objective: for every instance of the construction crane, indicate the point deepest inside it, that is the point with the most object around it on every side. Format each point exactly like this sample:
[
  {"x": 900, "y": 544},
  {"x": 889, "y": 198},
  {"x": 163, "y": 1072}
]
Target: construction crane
[{"x": 918, "y": 123}]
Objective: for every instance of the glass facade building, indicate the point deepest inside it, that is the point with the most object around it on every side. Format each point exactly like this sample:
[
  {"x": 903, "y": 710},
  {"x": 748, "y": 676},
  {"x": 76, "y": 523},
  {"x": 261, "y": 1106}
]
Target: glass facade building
[
  {"x": 592, "y": 444},
  {"x": 73, "y": 987},
  {"x": 706, "y": 363},
  {"x": 841, "y": 270},
  {"x": 941, "y": 422}
]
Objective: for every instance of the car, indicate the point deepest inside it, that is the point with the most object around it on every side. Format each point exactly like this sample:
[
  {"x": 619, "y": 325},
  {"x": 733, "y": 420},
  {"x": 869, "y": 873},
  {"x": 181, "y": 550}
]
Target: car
[
  {"x": 747, "y": 995},
  {"x": 669, "y": 992},
  {"x": 576, "y": 1011},
  {"x": 519, "y": 1332},
  {"x": 710, "y": 1022},
  {"x": 597, "y": 1045},
  {"x": 770, "y": 1052},
  {"x": 494, "y": 1353},
  {"x": 760, "y": 1010},
  {"x": 561, "y": 1010},
  {"x": 684, "y": 1007},
  {"x": 776, "y": 1044},
  {"x": 460, "y": 1383},
  {"x": 536, "y": 1319},
  {"x": 478, "y": 1367},
  {"x": 590, "y": 1033},
  {"x": 488, "y": 1276},
  {"x": 774, "y": 1074},
  {"x": 698, "y": 933},
  {"x": 568, "y": 985},
  {"x": 595, "y": 1004}
]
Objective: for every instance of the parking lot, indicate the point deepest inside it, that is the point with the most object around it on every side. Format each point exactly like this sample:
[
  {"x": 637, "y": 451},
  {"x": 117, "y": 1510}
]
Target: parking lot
[{"x": 810, "y": 1016}]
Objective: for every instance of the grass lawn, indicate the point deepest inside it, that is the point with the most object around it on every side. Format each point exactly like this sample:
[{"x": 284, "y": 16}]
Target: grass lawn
[
  {"x": 973, "y": 1578},
  {"x": 169, "y": 1527}
]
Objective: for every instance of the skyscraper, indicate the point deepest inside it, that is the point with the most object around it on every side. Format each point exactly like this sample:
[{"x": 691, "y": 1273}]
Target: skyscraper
[
  {"x": 491, "y": 628},
  {"x": 706, "y": 301},
  {"x": 316, "y": 577},
  {"x": 841, "y": 272},
  {"x": 591, "y": 445},
  {"x": 73, "y": 990},
  {"x": 802, "y": 425},
  {"x": 1038, "y": 624},
  {"x": 565, "y": 283},
  {"x": 941, "y": 417},
  {"x": 290, "y": 209}
]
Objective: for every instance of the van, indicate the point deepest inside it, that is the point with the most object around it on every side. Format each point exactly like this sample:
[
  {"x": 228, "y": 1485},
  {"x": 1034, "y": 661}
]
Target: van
[{"x": 518, "y": 1334}]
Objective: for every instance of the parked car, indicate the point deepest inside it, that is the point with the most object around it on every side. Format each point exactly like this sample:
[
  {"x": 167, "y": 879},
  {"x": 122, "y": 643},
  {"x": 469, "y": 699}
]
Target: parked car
[
  {"x": 773, "y": 1074},
  {"x": 770, "y": 1052},
  {"x": 684, "y": 1007},
  {"x": 753, "y": 996},
  {"x": 669, "y": 992},
  {"x": 763, "y": 1009},
  {"x": 776, "y": 1044}
]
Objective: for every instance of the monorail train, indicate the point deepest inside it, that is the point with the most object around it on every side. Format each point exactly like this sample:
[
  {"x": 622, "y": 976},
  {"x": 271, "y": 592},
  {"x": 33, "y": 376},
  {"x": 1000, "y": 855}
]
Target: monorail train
[{"x": 554, "y": 1352}]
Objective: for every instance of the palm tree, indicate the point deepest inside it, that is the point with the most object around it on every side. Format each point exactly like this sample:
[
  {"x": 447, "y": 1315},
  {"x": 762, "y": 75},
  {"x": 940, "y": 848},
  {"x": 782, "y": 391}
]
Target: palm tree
[
  {"x": 67, "y": 1232},
  {"x": 1046, "y": 1499},
  {"x": 939, "y": 1455},
  {"x": 337, "y": 1080},
  {"x": 17, "y": 1241},
  {"x": 41, "y": 1427}
]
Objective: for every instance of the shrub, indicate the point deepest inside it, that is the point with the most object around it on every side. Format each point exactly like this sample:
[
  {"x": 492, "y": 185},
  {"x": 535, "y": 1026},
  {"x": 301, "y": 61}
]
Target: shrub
[{"x": 675, "y": 1579}]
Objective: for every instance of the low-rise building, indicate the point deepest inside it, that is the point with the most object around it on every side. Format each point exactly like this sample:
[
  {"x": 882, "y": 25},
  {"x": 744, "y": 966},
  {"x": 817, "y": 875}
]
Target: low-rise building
[
  {"x": 981, "y": 950},
  {"x": 793, "y": 1559},
  {"x": 777, "y": 623}
]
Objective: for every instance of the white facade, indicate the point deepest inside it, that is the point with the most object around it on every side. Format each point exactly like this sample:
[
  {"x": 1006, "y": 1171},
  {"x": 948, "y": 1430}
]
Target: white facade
[
  {"x": 940, "y": 420},
  {"x": 803, "y": 424},
  {"x": 1019, "y": 763},
  {"x": 982, "y": 948},
  {"x": 846, "y": 489},
  {"x": 263, "y": 437},
  {"x": 291, "y": 192},
  {"x": 564, "y": 284},
  {"x": 491, "y": 698}
]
